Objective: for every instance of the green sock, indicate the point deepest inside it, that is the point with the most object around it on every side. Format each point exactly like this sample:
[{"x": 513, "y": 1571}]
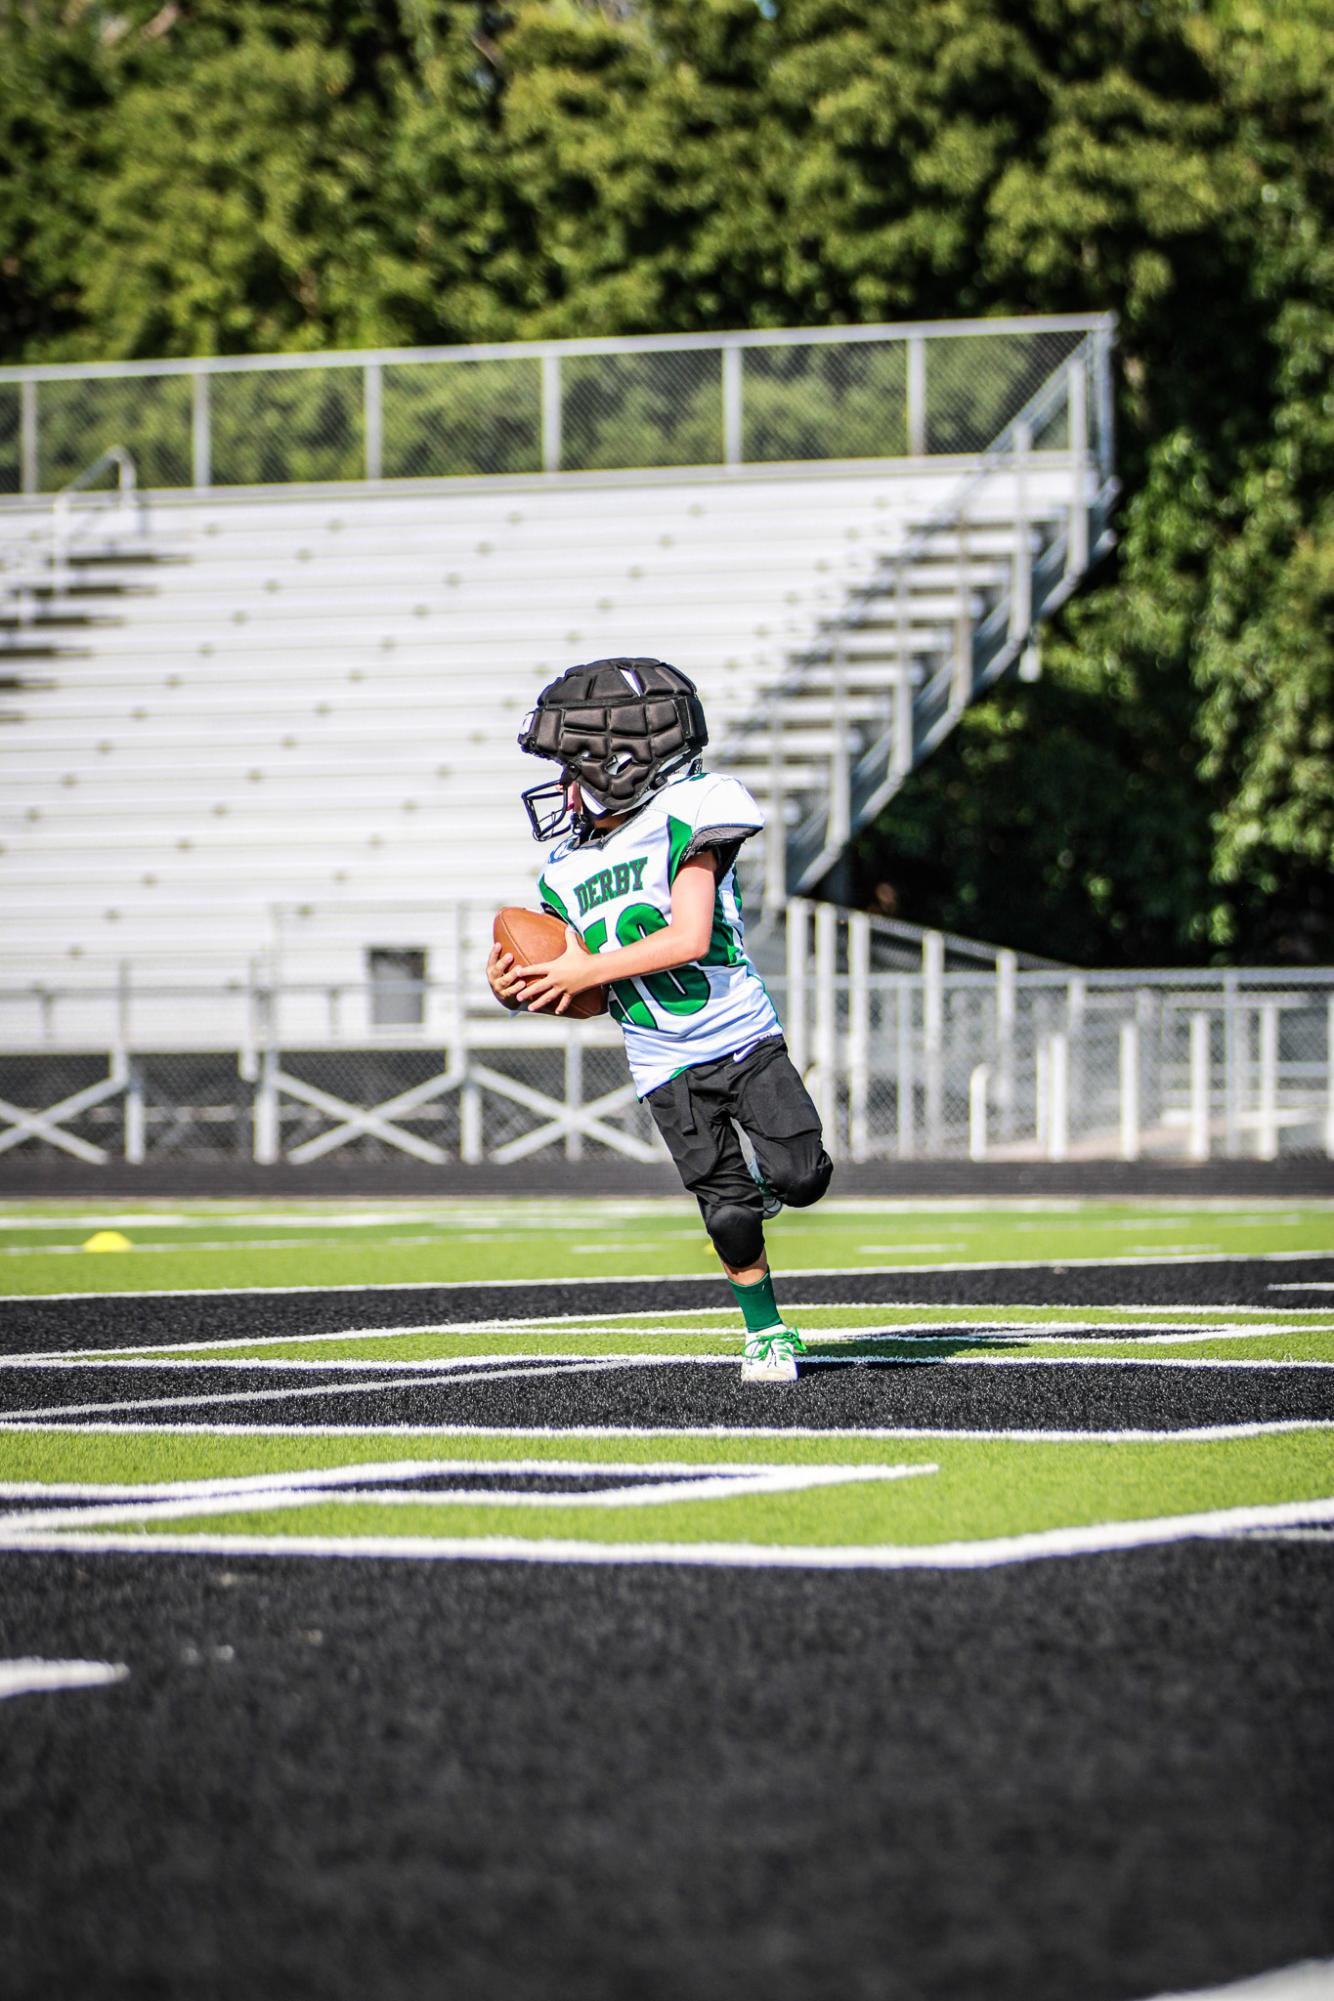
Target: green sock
[{"x": 759, "y": 1308}]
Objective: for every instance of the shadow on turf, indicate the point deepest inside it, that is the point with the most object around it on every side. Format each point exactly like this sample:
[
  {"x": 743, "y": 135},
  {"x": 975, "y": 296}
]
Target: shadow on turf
[{"x": 894, "y": 1348}]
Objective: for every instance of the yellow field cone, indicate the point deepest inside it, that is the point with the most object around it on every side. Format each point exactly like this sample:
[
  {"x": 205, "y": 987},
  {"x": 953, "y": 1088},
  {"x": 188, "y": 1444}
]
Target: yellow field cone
[{"x": 107, "y": 1240}]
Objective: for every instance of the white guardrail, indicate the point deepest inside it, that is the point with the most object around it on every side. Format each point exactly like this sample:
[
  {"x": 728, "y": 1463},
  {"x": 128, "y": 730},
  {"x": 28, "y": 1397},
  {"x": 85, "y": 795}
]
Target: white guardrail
[
  {"x": 911, "y": 389},
  {"x": 945, "y": 1058}
]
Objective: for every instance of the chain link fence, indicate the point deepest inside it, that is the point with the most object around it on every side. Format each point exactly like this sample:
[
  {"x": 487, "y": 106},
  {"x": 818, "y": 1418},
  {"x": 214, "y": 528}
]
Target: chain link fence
[
  {"x": 574, "y": 406},
  {"x": 934, "y": 1064},
  {"x": 944, "y": 1061}
]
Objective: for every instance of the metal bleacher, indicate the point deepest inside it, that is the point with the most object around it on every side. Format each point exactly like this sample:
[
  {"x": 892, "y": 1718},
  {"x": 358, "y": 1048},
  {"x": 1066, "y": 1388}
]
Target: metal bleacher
[{"x": 245, "y": 723}]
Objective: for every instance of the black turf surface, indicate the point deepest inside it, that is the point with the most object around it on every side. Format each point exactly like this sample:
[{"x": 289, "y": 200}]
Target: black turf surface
[
  {"x": 30, "y": 1326},
  {"x": 1103, "y": 1778},
  {"x": 1088, "y": 1397}
]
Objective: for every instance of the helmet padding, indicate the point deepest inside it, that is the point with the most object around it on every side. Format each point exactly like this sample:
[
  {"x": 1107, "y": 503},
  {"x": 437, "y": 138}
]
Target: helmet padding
[{"x": 620, "y": 727}]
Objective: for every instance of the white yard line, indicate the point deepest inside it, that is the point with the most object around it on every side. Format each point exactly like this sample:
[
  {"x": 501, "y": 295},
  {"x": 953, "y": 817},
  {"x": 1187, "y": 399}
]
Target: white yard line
[
  {"x": 585, "y": 1279},
  {"x": 1311, "y": 1980},
  {"x": 371, "y": 1374},
  {"x": 971, "y": 1319},
  {"x": 38, "y": 1677},
  {"x": 235, "y": 1353},
  {"x": 984, "y": 1554},
  {"x": 579, "y": 1366}
]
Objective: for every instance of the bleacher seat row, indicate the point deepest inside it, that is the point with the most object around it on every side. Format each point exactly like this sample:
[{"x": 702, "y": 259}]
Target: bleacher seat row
[{"x": 310, "y": 697}]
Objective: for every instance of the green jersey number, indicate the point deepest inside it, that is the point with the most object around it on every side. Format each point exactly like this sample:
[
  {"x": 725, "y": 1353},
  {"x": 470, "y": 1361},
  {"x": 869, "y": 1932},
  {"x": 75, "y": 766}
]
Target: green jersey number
[{"x": 683, "y": 990}]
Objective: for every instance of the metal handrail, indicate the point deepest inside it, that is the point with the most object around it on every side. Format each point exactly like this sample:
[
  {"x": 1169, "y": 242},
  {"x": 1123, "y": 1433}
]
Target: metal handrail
[
  {"x": 536, "y": 350},
  {"x": 47, "y": 559},
  {"x": 126, "y": 488},
  {"x": 1011, "y": 446}
]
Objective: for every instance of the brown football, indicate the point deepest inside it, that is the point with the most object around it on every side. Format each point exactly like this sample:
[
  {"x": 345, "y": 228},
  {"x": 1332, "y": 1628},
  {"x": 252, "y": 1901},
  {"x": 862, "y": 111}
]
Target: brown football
[{"x": 534, "y": 937}]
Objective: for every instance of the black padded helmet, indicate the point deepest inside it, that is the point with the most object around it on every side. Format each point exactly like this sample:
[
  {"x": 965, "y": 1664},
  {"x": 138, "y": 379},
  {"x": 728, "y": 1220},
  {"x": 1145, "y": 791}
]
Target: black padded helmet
[{"x": 621, "y": 728}]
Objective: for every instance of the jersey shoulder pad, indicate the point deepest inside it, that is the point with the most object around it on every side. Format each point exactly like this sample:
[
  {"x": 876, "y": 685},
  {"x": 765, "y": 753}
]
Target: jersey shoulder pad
[{"x": 720, "y": 801}]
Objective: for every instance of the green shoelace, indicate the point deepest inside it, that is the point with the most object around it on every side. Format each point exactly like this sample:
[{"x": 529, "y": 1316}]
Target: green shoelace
[{"x": 761, "y": 1346}]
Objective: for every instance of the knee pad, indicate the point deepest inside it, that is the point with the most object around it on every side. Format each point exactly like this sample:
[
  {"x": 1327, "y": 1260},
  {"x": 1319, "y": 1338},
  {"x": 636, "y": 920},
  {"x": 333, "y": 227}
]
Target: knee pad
[
  {"x": 737, "y": 1234},
  {"x": 808, "y": 1183}
]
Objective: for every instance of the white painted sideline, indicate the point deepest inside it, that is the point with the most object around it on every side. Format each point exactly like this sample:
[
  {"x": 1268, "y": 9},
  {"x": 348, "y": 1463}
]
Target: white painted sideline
[
  {"x": 1311, "y": 1980},
  {"x": 1096, "y": 1539},
  {"x": 37, "y": 1677}
]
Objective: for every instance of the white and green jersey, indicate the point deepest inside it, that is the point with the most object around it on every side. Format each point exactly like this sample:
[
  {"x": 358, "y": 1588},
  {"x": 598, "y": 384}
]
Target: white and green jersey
[{"x": 616, "y": 888}]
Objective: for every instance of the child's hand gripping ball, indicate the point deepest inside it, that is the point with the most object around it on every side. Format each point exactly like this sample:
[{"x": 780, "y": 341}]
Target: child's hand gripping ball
[{"x": 533, "y": 938}]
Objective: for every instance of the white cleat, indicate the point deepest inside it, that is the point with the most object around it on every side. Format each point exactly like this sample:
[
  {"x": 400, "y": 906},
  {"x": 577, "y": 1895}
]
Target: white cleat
[{"x": 771, "y": 1357}]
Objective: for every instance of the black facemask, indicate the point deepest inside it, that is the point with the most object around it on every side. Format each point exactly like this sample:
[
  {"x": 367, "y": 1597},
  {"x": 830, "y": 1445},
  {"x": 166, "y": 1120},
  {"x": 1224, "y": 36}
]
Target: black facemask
[{"x": 549, "y": 810}]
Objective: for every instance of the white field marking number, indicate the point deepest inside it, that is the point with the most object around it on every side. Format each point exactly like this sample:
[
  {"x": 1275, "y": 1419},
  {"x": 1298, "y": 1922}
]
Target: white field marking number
[{"x": 673, "y": 1483}]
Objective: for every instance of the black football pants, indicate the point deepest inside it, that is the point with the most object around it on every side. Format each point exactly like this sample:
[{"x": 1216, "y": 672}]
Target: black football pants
[{"x": 764, "y": 1094}]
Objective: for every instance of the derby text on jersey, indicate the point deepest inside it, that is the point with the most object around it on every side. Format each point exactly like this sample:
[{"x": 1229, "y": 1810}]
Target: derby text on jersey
[{"x": 617, "y": 888}]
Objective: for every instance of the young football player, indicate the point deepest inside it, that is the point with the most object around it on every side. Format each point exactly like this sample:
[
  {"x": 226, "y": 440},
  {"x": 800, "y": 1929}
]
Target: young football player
[{"x": 644, "y": 879}]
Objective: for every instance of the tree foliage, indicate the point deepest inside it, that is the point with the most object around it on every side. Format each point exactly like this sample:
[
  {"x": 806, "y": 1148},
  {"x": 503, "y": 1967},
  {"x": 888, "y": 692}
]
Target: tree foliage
[{"x": 212, "y": 176}]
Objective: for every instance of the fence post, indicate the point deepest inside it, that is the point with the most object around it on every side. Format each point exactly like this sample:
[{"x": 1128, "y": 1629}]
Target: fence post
[
  {"x": 201, "y": 432},
  {"x": 1077, "y": 531},
  {"x": 1232, "y": 1068},
  {"x": 859, "y": 1033},
  {"x": 933, "y": 1036},
  {"x": 916, "y": 397},
  {"x": 372, "y": 403},
  {"x": 135, "y": 1119},
  {"x": 574, "y": 1091},
  {"x": 551, "y": 413},
  {"x": 798, "y": 912},
  {"x": 733, "y": 435},
  {"x": 30, "y": 475},
  {"x": 1199, "y": 1085},
  {"x": 1106, "y": 408},
  {"x": 1007, "y": 1007},
  {"x": 1021, "y": 574},
  {"x": 826, "y": 1019},
  {"x": 1329, "y": 1080},
  {"x": 1268, "y": 1107},
  {"x": 1059, "y": 1061},
  {"x": 1129, "y": 1089},
  {"x": 979, "y": 1078},
  {"x": 905, "y": 1121},
  {"x": 1076, "y": 1008},
  {"x": 266, "y": 1109}
]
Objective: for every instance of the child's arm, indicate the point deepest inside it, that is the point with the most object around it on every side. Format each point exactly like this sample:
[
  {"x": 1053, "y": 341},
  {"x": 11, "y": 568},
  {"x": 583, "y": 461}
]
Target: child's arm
[{"x": 686, "y": 937}]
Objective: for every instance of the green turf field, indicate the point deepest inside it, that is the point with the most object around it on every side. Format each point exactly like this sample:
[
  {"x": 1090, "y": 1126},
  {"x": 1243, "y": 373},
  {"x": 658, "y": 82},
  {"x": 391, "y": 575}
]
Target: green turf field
[
  {"x": 323, "y": 1435},
  {"x": 342, "y": 1432},
  {"x": 230, "y": 1244}
]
